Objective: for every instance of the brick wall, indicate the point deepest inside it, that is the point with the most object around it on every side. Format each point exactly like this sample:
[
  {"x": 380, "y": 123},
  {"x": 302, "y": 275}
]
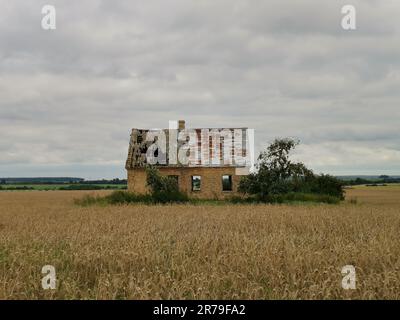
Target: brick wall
[{"x": 211, "y": 181}]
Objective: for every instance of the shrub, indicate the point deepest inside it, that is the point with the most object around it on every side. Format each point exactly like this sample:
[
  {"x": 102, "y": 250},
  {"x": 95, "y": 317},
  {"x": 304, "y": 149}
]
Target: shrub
[
  {"x": 326, "y": 184},
  {"x": 244, "y": 200},
  {"x": 168, "y": 197},
  {"x": 124, "y": 197},
  {"x": 157, "y": 182},
  {"x": 121, "y": 197},
  {"x": 311, "y": 197},
  {"x": 164, "y": 189},
  {"x": 117, "y": 197},
  {"x": 277, "y": 177},
  {"x": 286, "y": 198}
]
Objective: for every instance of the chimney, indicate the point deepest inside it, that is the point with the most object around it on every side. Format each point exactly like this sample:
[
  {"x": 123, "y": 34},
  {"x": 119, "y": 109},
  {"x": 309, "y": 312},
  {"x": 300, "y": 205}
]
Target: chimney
[{"x": 181, "y": 124}]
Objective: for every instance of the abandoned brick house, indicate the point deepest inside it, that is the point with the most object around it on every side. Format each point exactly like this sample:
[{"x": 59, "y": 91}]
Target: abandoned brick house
[{"x": 215, "y": 158}]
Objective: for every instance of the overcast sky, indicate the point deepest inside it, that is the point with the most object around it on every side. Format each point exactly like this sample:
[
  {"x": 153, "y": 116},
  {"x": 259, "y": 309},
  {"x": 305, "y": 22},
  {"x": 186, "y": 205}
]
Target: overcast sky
[{"x": 69, "y": 97}]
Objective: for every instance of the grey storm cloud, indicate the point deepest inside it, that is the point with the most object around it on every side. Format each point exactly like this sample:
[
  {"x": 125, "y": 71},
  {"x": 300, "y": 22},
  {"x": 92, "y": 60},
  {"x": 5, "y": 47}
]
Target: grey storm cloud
[{"x": 69, "y": 97}]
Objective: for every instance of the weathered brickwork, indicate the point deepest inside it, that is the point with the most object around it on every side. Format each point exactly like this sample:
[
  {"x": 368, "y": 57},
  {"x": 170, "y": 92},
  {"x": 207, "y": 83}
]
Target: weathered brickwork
[{"x": 211, "y": 181}]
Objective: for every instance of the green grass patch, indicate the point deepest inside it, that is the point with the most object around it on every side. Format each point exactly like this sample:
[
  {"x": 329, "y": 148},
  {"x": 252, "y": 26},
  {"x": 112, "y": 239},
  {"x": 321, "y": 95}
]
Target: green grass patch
[
  {"x": 292, "y": 197},
  {"x": 125, "y": 197}
]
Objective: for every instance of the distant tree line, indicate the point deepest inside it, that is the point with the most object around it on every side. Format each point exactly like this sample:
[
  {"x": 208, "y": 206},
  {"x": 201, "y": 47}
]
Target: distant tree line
[
  {"x": 16, "y": 188},
  {"x": 65, "y": 180},
  {"x": 40, "y": 180},
  {"x": 383, "y": 179},
  {"x": 105, "y": 181}
]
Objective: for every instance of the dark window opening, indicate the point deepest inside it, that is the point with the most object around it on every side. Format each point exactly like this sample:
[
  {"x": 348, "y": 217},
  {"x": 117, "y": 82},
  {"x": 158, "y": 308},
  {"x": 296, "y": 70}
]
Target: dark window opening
[
  {"x": 226, "y": 183},
  {"x": 196, "y": 183}
]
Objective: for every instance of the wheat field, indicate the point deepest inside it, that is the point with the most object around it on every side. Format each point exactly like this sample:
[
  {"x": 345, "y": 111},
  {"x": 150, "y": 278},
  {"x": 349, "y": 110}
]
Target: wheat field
[{"x": 199, "y": 252}]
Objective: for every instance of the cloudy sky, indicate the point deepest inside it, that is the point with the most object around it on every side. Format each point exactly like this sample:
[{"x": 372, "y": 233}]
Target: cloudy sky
[{"x": 69, "y": 97}]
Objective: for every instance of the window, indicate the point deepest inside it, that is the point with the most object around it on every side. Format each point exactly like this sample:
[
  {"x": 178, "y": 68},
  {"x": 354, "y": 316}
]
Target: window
[
  {"x": 226, "y": 183},
  {"x": 196, "y": 183}
]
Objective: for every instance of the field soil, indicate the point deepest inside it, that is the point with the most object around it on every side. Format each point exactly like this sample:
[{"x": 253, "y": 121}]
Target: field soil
[{"x": 199, "y": 251}]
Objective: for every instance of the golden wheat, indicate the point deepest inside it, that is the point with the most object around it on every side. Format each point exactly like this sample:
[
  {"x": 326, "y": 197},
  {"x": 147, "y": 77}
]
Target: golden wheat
[{"x": 199, "y": 252}]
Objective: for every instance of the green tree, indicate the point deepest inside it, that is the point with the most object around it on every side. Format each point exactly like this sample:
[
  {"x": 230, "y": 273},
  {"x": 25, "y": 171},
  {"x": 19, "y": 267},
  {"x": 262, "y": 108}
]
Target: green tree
[{"x": 277, "y": 175}]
